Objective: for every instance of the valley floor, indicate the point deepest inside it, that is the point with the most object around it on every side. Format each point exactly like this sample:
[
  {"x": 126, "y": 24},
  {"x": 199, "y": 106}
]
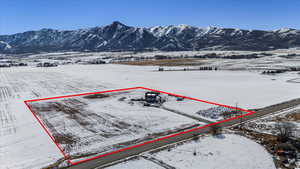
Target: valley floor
[{"x": 23, "y": 143}]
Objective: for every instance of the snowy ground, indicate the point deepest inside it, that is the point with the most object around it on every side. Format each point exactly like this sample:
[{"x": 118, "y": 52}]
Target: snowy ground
[
  {"x": 23, "y": 143},
  {"x": 137, "y": 163},
  {"x": 296, "y": 80},
  {"x": 230, "y": 151},
  {"x": 226, "y": 87},
  {"x": 197, "y": 109},
  {"x": 83, "y": 125},
  {"x": 276, "y": 59},
  {"x": 21, "y": 137},
  {"x": 268, "y": 123}
]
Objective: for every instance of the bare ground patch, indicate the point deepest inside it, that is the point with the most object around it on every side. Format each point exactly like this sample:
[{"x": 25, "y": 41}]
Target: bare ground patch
[
  {"x": 295, "y": 116},
  {"x": 96, "y": 96}
]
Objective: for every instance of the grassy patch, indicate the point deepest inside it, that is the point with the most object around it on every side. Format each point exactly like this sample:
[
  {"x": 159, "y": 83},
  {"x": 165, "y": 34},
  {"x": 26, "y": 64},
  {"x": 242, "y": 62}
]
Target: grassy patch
[{"x": 294, "y": 116}]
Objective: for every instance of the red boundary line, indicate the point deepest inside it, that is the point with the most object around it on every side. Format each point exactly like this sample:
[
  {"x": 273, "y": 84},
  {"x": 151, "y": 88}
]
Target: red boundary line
[{"x": 138, "y": 145}]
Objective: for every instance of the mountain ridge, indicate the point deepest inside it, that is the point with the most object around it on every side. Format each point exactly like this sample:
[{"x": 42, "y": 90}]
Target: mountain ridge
[{"x": 120, "y": 37}]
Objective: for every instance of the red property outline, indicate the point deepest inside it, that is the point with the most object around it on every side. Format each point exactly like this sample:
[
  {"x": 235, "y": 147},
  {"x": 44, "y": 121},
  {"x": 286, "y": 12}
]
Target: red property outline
[{"x": 137, "y": 145}]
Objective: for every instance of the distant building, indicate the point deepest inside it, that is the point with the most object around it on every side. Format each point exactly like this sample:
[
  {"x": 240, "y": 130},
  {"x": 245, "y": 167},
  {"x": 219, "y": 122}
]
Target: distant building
[
  {"x": 18, "y": 64},
  {"x": 46, "y": 64},
  {"x": 96, "y": 61},
  {"x": 4, "y": 65},
  {"x": 160, "y": 69}
]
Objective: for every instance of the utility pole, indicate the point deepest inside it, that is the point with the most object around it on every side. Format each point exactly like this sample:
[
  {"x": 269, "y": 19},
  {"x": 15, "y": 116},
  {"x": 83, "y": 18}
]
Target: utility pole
[{"x": 240, "y": 114}]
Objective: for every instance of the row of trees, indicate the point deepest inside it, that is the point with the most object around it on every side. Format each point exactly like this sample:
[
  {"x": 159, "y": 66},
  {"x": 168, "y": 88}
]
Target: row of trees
[
  {"x": 295, "y": 68},
  {"x": 281, "y": 70},
  {"x": 233, "y": 56},
  {"x": 273, "y": 71}
]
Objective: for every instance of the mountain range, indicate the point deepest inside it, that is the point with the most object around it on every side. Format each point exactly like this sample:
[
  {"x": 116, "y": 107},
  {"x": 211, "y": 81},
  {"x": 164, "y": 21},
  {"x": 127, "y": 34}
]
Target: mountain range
[{"x": 120, "y": 37}]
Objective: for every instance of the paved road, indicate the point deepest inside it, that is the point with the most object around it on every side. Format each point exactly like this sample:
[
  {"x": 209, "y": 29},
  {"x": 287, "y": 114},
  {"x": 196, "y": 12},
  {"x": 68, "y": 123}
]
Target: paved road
[{"x": 147, "y": 147}]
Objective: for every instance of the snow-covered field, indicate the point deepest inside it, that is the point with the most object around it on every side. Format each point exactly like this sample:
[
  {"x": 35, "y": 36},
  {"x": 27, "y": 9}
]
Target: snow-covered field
[
  {"x": 230, "y": 151},
  {"x": 136, "y": 163},
  {"x": 259, "y": 64},
  {"x": 233, "y": 151},
  {"x": 23, "y": 143},
  {"x": 296, "y": 80},
  {"x": 246, "y": 89},
  {"x": 83, "y": 125},
  {"x": 197, "y": 109}
]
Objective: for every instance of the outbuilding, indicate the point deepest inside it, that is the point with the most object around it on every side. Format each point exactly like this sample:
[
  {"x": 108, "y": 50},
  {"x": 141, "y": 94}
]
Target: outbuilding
[{"x": 152, "y": 97}]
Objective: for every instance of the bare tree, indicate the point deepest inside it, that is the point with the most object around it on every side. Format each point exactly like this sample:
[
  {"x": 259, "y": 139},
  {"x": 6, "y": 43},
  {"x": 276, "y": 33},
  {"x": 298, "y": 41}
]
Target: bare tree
[
  {"x": 285, "y": 130},
  {"x": 196, "y": 137},
  {"x": 239, "y": 113}
]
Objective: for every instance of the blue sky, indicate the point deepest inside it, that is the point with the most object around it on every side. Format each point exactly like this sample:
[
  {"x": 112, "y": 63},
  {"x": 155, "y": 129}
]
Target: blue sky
[{"x": 24, "y": 15}]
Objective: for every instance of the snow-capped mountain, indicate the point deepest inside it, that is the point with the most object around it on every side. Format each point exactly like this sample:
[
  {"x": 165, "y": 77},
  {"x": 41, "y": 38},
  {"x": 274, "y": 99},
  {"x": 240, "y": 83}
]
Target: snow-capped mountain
[{"x": 118, "y": 37}]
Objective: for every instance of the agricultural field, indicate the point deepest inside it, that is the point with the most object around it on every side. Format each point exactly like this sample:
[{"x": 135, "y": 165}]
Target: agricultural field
[
  {"x": 28, "y": 146},
  {"x": 93, "y": 124},
  {"x": 21, "y": 137}
]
